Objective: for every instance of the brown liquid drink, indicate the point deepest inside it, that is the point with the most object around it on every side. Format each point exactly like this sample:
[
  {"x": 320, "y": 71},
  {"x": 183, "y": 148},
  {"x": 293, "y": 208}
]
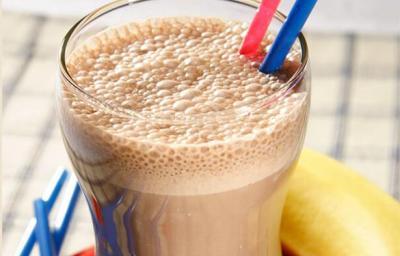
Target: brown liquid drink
[{"x": 188, "y": 148}]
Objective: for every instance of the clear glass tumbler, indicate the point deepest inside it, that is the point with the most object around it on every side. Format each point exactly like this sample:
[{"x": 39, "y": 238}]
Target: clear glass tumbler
[{"x": 225, "y": 212}]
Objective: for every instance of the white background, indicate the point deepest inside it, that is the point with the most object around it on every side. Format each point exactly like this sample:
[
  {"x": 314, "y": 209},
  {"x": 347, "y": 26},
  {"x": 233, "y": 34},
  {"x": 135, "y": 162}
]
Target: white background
[{"x": 364, "y": 16}]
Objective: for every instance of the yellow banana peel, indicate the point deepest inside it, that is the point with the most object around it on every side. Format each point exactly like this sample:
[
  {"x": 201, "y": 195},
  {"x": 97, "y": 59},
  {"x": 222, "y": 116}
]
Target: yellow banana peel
[{"x": 332, "y": 211}]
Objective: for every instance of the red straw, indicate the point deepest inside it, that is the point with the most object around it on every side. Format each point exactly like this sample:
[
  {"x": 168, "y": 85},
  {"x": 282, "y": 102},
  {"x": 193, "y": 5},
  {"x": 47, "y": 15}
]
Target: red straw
[
  {"x": 87, "y": 252},
  {"x": 258, "y": 27}
]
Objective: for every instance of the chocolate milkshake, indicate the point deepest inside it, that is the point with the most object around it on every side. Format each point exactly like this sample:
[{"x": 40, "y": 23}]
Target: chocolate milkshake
[{"x": 181, "y": 145}]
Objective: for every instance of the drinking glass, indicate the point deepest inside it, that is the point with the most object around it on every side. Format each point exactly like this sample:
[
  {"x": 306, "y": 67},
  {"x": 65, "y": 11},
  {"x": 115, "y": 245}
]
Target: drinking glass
[{"x": 128, "y": 217}]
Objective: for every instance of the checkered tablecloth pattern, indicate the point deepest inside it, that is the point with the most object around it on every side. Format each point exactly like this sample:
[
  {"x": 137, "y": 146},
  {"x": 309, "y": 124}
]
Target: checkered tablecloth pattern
[{"x": 355, "y": 115}]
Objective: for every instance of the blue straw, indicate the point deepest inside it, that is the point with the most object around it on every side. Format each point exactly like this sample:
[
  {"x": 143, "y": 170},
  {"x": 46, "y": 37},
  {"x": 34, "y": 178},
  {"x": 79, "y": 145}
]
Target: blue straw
[
  {"x": 28, "y": 240},
  {"x": 65, "y": 213},
  {"x": 42, "y": 230},
  {"x": 55, "y": 185},
  {"x": 49, "y": 197},
  {"x": 287, "y": 35}
]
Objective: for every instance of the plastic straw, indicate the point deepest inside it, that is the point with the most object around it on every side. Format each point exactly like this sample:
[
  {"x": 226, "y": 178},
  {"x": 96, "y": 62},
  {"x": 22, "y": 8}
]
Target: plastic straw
[
  {"x": 28, "y": 240},
  {"x": 42, "y": 230},
  {"x": 287, "y": 35},
  {"x": 65, "y": 213},
  {"x": 87, "y": 252},
  {"x": 258, "y": 27},
  {"x": 54, "y": 187},
  {"x": 49, "y": 197}
]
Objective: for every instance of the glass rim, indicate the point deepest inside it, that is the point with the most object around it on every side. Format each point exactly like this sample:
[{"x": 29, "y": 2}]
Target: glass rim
[{"x": 292, "y": 82}]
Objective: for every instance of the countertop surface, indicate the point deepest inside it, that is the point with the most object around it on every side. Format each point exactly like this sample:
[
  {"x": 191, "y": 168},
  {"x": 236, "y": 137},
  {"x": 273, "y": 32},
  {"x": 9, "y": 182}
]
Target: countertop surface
[{"x": 355, "y": 114}]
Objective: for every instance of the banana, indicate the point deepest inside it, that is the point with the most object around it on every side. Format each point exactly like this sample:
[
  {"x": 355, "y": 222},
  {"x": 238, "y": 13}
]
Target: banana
[{"x": 332, "y": 211}]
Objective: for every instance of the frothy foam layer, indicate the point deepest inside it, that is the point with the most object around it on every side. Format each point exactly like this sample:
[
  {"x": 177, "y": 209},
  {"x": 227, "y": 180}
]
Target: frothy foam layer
[{"x": 198, "y": 121}]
